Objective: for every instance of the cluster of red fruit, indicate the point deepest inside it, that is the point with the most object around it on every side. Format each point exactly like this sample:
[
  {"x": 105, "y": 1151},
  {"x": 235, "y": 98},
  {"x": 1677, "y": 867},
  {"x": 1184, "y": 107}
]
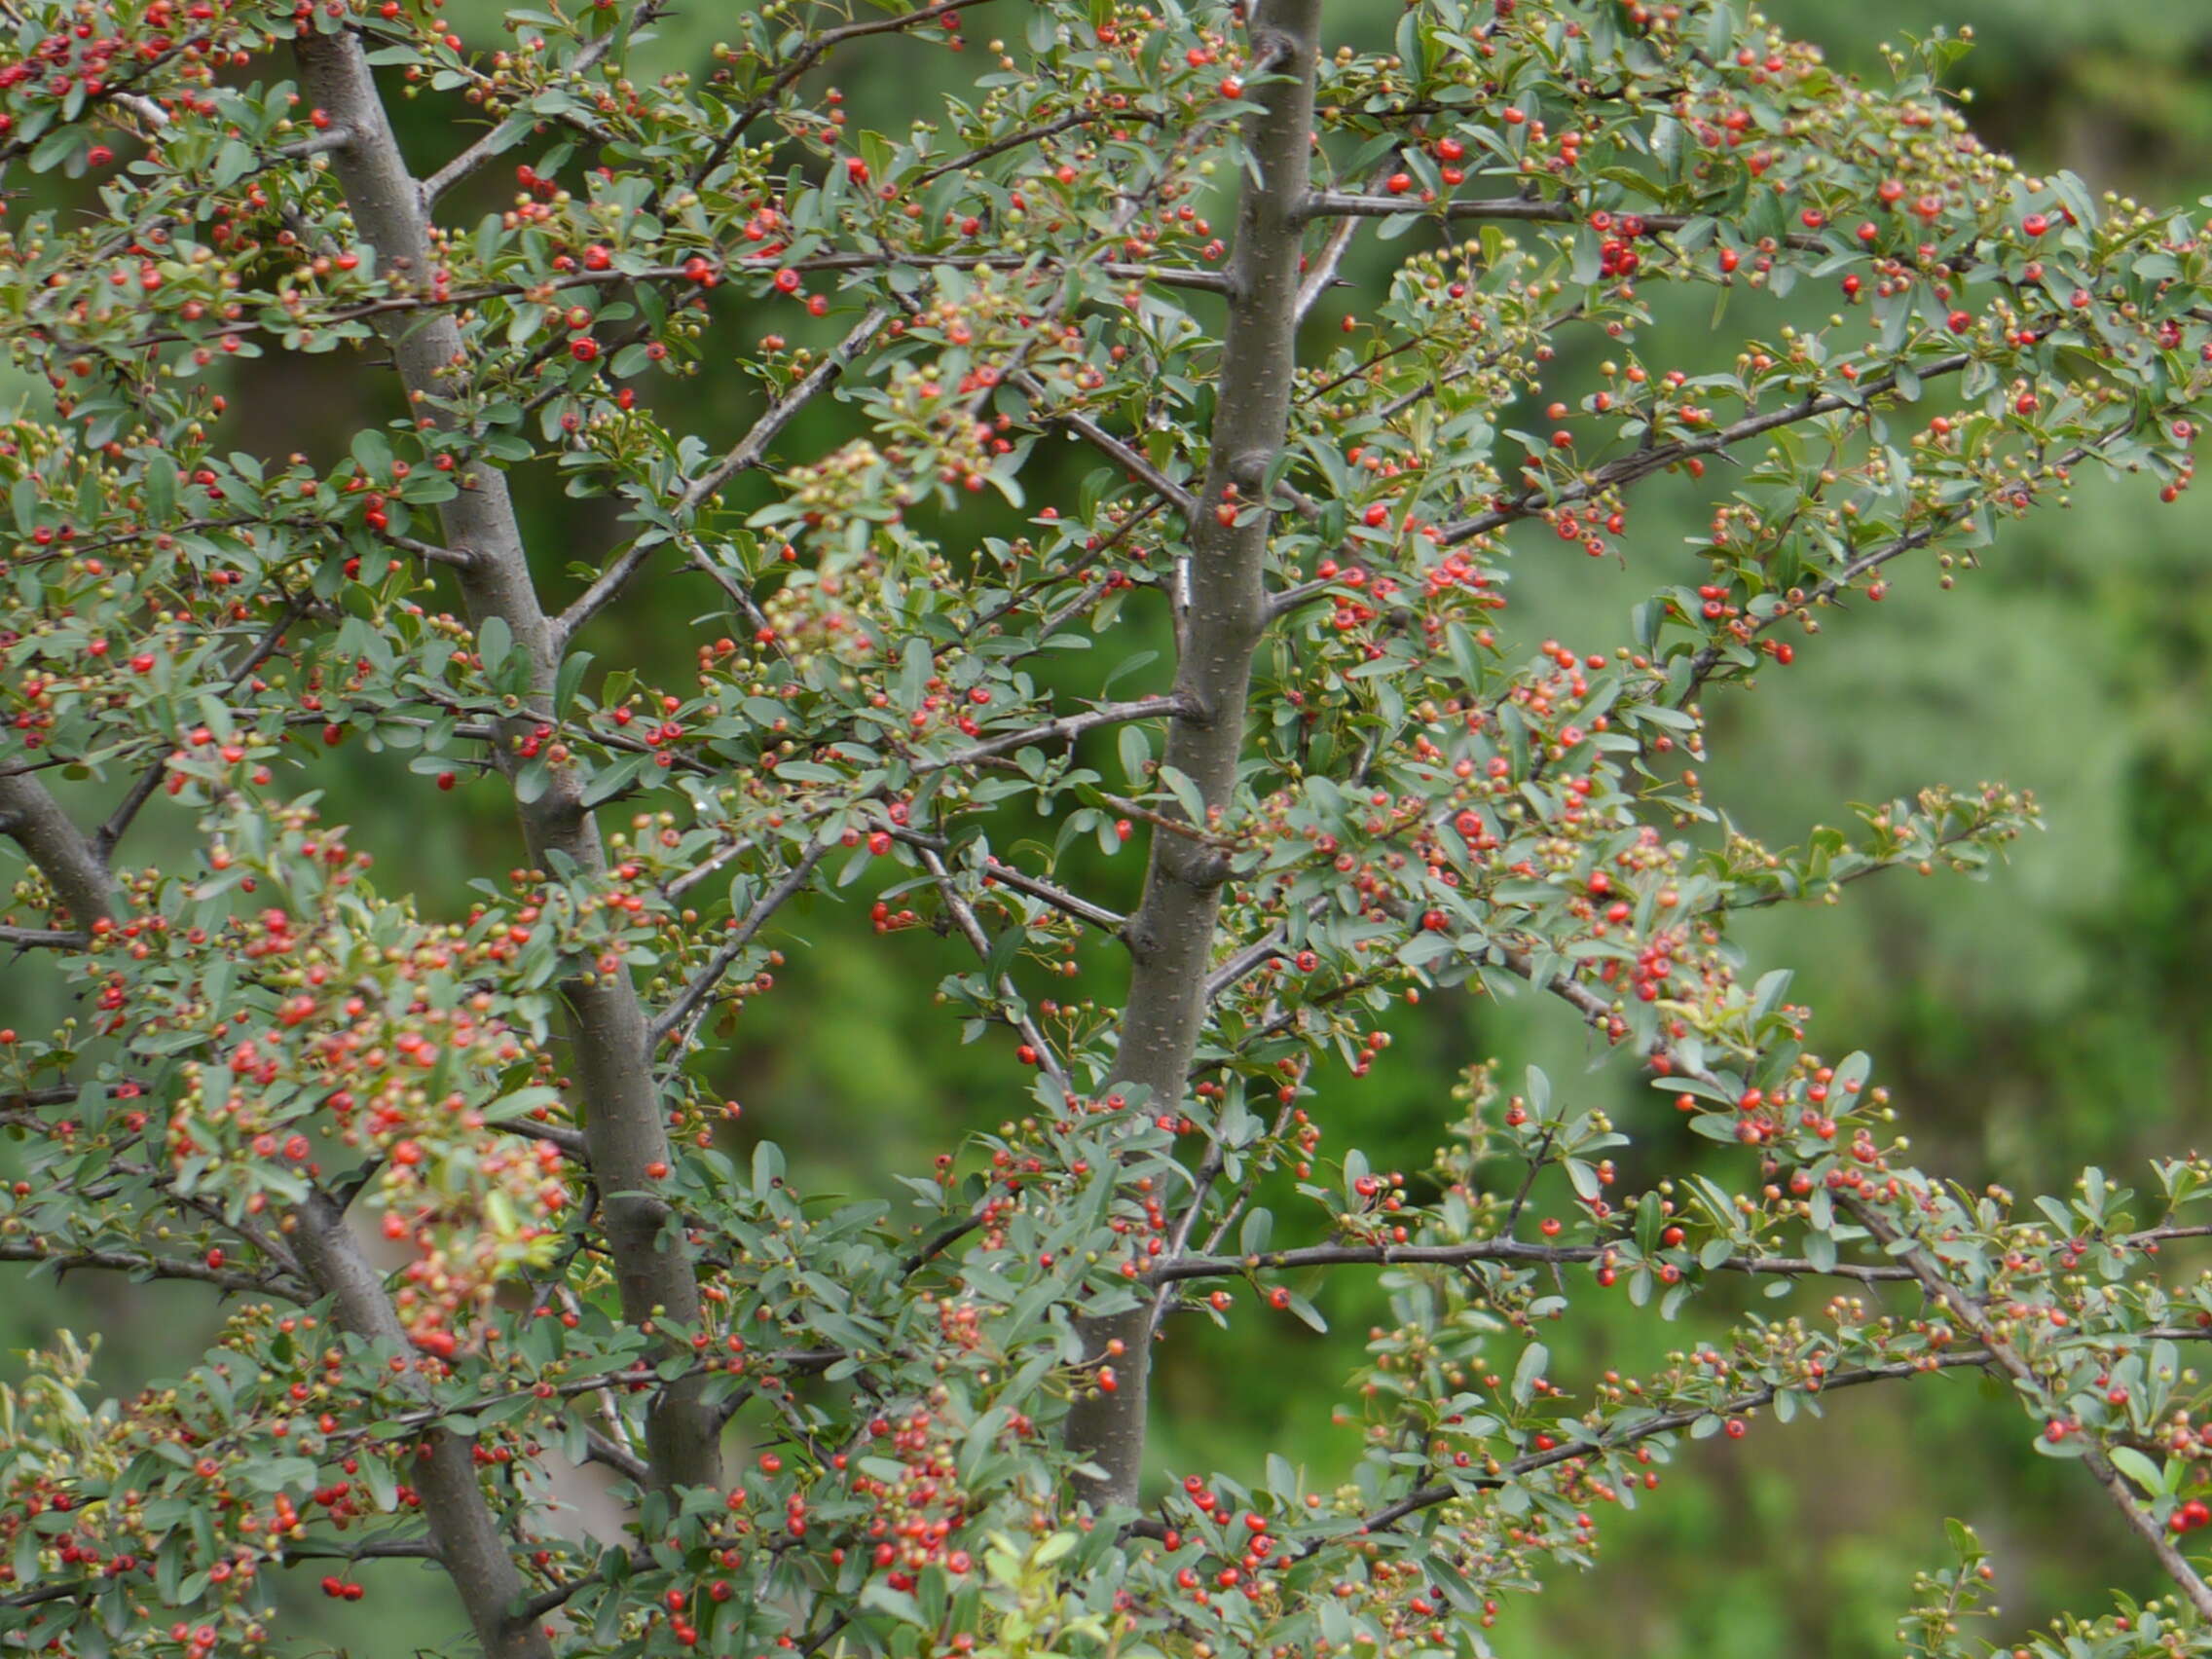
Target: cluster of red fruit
[
  {"x": 1245, "y": 1547},
  {"x": 919, "y": 1512},
  {"x": 1616, "y": 253}
]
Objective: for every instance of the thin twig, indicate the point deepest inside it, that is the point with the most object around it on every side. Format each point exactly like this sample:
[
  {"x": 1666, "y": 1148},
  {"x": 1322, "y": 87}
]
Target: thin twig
[
  {"x": 501, "y": 137},
  {"x": 142, "y": 789},
  {"x": 799, "y": 62},
  {"x": 1664, "y": 1423},
  {"x": 971, "y": 930},
  {"x": 996, "y": 872},
  {"x": 748, "y": 452},
  {"x": 1065, "y": 729},
  {"x": 1500, "y": 1249},
  {"x": 39, "y": 1252},
  {"x": 756, "y": 917},
  {"x": 43, "y": 939}
]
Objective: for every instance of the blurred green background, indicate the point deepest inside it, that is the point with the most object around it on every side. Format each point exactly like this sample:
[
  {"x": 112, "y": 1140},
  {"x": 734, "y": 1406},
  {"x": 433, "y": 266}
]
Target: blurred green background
[{"x": 2054, "y": 1016}]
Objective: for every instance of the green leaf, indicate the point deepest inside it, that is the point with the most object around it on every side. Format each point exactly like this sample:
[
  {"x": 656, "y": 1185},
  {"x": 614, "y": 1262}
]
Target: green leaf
[
  {"x": 1771, "y": 990},
  {"x": 384, "y": 1486},
  {"x": 520, "y": 1103},
  {"x": 63, "y": 143},
  {"x": 2138, "y": 1468},
  {"x": 1533, "y": 1358},
  {"x": 1185, "y": 793},
  {"x": 1588, "y": 258},
  {"x": 494, "y": 641},
  {"x": 373, "y": 450},
  {"x": 607, "y": 783},
  {"x": 767, "y": 1167},
  {"x": 1539, "y": 1088},
  {"x": 1135, "y": 748},
  {"x": 876, "y": 1593},
  {"x": 564, "y": 683}
]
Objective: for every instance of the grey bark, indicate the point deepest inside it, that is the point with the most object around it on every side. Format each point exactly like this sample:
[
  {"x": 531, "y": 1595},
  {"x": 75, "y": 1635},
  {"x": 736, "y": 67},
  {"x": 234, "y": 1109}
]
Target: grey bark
[
  {"x": 71, "y": 864},
  {"x": 464, "y": 1534},
  {"x": 624, "y": 1129},
  {"x": 1171, "y": 934}
]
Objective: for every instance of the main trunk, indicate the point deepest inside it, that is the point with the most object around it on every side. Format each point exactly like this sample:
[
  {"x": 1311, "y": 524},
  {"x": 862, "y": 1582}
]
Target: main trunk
[
  {"x": 623, "y": 1122},
  {"x": 1172, "y": 934}
]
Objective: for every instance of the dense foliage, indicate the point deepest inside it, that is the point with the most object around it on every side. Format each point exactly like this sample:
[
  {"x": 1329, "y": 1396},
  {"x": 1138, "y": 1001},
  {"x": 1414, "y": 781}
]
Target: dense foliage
[{"x": 481, "y": 1216}]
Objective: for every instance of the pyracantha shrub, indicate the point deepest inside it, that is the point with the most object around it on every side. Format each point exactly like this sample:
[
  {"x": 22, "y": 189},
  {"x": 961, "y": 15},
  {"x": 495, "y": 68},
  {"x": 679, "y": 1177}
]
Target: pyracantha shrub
[{"x": 478, "y": 1214}]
